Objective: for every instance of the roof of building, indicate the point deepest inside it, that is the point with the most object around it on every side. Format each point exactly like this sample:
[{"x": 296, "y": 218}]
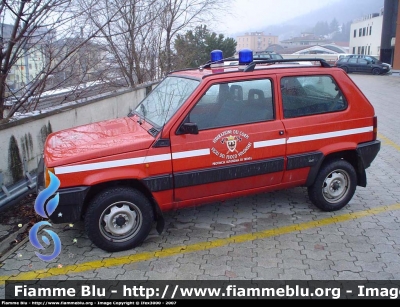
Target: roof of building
[{"x": 309, "y": 49}]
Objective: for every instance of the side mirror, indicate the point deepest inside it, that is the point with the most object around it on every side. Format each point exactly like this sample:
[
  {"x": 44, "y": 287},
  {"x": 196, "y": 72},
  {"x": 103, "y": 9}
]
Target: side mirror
[{"x": 189, "y": 128}]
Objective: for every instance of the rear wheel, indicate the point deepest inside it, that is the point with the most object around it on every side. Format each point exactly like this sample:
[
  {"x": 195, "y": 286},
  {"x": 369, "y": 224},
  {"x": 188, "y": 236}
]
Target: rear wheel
[
  {"x": 346, "y": 70},
  {"x": 334, "y": 186},
  {"x": 376, "y": 71},
  {"x": 118, "y": 219}
]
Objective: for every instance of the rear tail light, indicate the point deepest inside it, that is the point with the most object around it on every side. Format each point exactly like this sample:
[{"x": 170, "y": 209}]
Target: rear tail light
[{"x": 375, "y": 130}]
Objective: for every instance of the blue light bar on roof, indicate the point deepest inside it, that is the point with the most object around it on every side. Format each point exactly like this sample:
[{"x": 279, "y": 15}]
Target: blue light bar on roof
[
  {"x": 217, "y": 57},
  {"x": 245, "y": 58}
]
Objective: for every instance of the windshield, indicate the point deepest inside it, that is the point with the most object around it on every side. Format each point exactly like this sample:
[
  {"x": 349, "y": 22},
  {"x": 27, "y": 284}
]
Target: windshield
[{"x": 168, "y": 96}]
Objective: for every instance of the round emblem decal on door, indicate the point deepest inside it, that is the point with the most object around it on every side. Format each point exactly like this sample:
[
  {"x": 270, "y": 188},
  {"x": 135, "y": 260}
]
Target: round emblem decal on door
[{"x": 231, "y": 139}]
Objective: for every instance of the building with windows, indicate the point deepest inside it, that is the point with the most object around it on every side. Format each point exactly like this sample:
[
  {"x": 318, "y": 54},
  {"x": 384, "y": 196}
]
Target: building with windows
[
  {"x": 390, "y": 43},
  {"x": 305, "y": 40},
  {"x": 27, "y": 68},
  {"x": 379, "y": 34},
  {"x": 366, "y": 34},
  {"x": 256, "y": 41},
  {"x": 29, "y": 61}
]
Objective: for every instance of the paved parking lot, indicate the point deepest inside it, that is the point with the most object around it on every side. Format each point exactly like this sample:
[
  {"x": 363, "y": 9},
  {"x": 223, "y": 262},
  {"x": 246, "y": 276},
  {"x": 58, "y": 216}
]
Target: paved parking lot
[{"x": 271, "y": 236}]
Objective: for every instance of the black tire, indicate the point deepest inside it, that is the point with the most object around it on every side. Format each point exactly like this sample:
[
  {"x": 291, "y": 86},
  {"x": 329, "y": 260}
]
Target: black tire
[
  {"x": 118, "y": 219},
  {"x": 376, "y": 71},
  {"x": 334, "y": 186},
  {"x": 346, "y": 70}
]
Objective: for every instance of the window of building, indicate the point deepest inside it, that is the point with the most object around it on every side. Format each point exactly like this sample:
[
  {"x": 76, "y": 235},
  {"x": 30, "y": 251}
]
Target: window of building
[
  {"x": 354, "y": 49},
  {"x": 363, "y": 31},
  {"x": 360, "y": 32},
  {"x": 370, "y": 30},
  {"x": 355, "y": 33},
  {"x": 359, "y": 50},
  {"x": 369, "y": 50},
  {"x": 362, "y": 50}
]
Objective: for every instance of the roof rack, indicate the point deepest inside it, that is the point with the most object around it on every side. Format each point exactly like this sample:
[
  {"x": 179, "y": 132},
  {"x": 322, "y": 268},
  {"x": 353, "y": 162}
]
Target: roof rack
[{"x": 252, "y": 65}]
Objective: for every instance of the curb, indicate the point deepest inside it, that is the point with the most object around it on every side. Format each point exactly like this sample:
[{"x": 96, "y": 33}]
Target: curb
[{"x": 5, "y": 250}]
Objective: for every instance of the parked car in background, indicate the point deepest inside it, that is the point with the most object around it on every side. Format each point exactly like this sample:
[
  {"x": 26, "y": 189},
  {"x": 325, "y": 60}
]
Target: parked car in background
[
  {"x": 339, "y": 56},
  {"x": 267, "y": 55},
  {"x": 261, "y": 55},
  {"x": 363, "y": 64}
]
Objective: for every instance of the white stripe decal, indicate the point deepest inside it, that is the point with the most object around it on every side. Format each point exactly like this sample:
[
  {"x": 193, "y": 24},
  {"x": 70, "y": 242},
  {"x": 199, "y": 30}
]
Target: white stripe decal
[
  {"x": 191, "y": 153},
  {"x": 201, "y": 152},
  {"x": 269, "y": 143},
  {"x": 127, "y": 162},
  {"x": 110, "y": 164},
  {"x": 327, "y": 135}
]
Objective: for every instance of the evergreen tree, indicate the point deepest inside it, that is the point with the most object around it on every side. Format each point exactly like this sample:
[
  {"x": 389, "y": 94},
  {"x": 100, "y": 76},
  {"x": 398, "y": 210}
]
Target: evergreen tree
[
  {"x": 193, "y": 48},
  {"x": 333, "y": 26}
]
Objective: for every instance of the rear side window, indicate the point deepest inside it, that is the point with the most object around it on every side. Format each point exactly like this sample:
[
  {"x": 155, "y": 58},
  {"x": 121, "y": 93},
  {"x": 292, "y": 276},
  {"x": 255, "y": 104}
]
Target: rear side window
[{"x": 308, "y": 95}]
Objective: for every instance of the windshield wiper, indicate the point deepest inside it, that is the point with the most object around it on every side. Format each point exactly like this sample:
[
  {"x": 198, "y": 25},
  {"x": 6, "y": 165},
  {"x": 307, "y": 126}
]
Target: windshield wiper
[{"x": 143, "y": 109}]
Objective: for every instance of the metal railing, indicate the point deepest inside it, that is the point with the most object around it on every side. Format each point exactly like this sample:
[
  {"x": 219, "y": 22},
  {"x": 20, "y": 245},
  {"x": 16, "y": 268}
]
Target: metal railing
[{"x": 13, "y": 193}]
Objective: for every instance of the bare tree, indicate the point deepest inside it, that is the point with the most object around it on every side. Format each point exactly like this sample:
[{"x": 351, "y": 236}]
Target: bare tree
[
  {"x": 141, "y": 39},
  {"x": 46, "y": 44},
  {"x": 38, "y": 40},
  {"x": 132, "y": 39},
  {"x": 179, "y": 15}
]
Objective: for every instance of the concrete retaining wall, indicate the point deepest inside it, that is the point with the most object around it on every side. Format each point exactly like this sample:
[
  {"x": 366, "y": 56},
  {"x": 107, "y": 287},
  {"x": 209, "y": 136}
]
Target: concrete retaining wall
[{"x": 23, "y": 139}]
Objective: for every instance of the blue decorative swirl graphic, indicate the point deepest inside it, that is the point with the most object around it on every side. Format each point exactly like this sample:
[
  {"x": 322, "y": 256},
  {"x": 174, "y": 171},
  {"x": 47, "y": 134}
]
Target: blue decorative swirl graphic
[
  {"x": 45, "y": 194},
  {"x": 40, "y": 209},
  {"x": 35, "y": 241}
]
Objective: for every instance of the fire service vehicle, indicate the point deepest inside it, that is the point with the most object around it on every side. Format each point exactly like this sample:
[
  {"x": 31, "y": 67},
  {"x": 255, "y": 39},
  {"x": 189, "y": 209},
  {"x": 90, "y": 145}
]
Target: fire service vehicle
[{"x": 230, "y": 128}]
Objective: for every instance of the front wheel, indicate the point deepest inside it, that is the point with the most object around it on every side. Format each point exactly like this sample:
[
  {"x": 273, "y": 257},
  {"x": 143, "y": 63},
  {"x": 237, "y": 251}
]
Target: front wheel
[
  {"x": 376, "y": 71},
  {"x": 334, "y": 186},
  {"x": 119, "y": 219}
]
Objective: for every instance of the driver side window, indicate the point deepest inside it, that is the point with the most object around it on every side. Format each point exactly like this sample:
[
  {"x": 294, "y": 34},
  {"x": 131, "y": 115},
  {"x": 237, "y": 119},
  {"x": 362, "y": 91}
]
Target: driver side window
[{"x": 236, "y": 103}]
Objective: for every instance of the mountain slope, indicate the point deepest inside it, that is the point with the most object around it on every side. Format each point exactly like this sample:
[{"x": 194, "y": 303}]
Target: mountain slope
[{"x": 344, "y": 11}]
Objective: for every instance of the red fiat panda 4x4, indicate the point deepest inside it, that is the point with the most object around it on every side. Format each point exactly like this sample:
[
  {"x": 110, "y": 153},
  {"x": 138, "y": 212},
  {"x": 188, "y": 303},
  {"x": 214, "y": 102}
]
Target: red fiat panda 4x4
[{"x": 212, "y": 133}]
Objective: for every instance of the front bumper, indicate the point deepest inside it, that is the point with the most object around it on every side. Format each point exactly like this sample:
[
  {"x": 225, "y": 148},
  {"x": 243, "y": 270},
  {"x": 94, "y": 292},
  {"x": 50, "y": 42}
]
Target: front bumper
[{"x": 71, "y": 200}]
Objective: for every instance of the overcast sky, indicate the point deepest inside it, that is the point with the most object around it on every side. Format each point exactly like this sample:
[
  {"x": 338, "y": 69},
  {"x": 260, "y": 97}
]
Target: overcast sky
[{"x": 254, "y": 15}]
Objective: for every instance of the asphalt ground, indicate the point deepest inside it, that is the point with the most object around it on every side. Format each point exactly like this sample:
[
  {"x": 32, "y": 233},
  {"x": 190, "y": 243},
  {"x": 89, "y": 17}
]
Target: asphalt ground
[{"x": 271, "y": 236}]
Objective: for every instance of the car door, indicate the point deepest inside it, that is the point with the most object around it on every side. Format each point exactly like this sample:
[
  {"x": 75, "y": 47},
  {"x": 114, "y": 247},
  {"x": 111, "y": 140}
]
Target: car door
[
  {"x": 313, "y": 114},
  {"x": 353, "y": 65},
  {"x": 364, "y": 66},
  {"x": 239, "y": 145}
]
